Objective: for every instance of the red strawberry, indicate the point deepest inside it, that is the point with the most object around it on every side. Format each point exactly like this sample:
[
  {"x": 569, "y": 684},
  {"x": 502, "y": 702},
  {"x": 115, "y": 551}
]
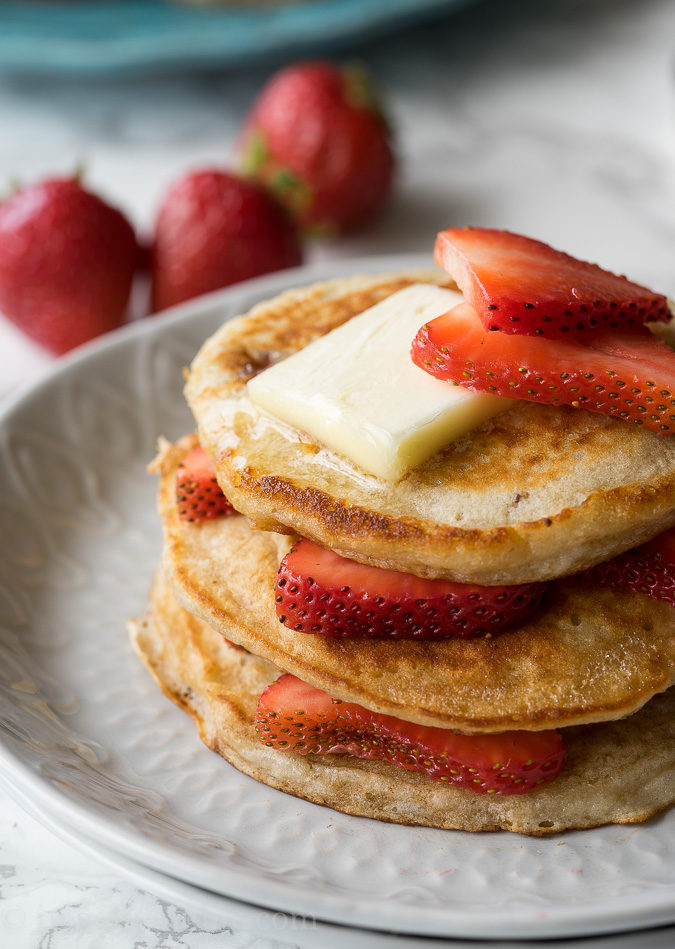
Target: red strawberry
[
  {"x": 626, "y": 376},
  {"x": 235, "y": 645},
  {"x": 663, "y": 546},
  {"x": 66, "y": 263},
  {"x": 294, "y": 716},
  {"x": 198, "y": 494},
  {"x": 640, "y": 571},
  {"x": 214, "y": 229},
  {"x": 518, "y": 285},
  {"x": 317, "y": 139},
  {"x": 317, "y": 591}
]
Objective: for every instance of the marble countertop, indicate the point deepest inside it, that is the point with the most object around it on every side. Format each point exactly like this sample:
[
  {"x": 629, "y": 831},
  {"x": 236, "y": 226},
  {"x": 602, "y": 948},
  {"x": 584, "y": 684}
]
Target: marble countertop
[{"x": 555, "y": 120}]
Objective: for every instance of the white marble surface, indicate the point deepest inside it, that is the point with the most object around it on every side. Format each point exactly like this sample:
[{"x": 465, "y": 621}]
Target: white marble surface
[
  {"x": 551, "y": 119},
  {"x": 52, "y": 897}
]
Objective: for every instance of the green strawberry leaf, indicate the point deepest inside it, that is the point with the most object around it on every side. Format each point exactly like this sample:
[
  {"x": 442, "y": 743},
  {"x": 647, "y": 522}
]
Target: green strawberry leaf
[
  {"x": 360, "y": 91},
  {"x": 255, "y": 154},
  {"x": 291, "y": 191}
]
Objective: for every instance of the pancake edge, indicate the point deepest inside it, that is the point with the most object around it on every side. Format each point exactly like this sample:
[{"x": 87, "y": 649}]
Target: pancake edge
[{"x": 378, "y": 790}]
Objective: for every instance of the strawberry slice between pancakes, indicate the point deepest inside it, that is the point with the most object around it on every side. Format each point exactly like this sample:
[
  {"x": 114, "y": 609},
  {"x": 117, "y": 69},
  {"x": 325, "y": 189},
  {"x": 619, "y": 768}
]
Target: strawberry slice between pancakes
[
  {"x": 663, "y": 545},
  {"x": 625, "y": 376},
  {"x": 318, "y": 591},
  {"x": 649, "y": 569},
  {"x": 522, "y": 286},
  {"x": 297, "y": 717},
  {"x": 198, "y": 494}
]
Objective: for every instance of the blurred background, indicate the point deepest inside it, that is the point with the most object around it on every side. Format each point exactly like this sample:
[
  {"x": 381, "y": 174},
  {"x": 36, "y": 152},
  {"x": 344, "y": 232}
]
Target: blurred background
[
  {"x": 554, "y": 120},
  {"x": 551, "y": 119}
]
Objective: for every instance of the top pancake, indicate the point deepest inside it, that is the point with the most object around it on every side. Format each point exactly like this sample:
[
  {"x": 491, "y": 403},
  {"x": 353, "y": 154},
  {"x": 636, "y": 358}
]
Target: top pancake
[
  {"x": 587, "y": 655},
  {"x": 535, "y": 493}
]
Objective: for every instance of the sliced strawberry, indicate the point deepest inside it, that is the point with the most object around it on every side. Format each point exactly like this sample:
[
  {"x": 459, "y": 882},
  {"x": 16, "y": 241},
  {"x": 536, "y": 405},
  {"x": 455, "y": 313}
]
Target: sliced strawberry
[
  {"x": 518, "y": 285},
  {"x": 234, "y": 645},
  {"x": 294, "y": 716},
  {"x": 622, "y": 375},
  {"x": 198, "y": 494},
  {"x": 317, "y": 591},
  {"x": 662, "y": 545},
  {"x": 640, "y": 571}
]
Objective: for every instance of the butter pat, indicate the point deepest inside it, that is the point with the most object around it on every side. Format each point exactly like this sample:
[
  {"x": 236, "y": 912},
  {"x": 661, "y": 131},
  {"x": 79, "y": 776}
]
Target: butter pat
[{"x": 357, "y": 391}]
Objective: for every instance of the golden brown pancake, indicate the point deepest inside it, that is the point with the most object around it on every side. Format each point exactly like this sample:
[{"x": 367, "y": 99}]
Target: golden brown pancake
[
  {"x": 535, "y": 493},
  {"x": 587, "y": 655},
  {"x": 621, "y": 772}
]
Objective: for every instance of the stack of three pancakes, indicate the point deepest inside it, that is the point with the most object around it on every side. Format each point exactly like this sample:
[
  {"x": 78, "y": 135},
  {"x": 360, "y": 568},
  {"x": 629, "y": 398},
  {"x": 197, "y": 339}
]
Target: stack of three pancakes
[{"x": 537, "y": 493}]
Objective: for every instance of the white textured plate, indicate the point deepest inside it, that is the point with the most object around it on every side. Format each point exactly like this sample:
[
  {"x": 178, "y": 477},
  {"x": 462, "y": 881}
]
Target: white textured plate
[
  {"x": 87, "y": 735},
  {"x": 300, "y": 932}
]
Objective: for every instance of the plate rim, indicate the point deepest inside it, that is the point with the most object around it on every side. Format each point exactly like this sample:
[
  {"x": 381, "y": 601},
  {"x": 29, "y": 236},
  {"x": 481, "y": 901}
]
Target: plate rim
[
  {"x": 602, "y": 918},
  {"x": 170, "y": 887},
  {"x": 599, "y": 917}
]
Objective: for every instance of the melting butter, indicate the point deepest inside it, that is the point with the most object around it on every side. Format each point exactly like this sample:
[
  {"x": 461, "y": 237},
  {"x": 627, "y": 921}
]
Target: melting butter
[{"x": 357, "y": 391}]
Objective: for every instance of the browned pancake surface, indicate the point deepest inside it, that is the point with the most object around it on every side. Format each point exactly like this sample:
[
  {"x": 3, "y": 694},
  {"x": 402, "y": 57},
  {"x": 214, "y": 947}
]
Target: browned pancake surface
[
  {"x": 588, "y": 655},
  {"x": 537, "y": 492},
  {"x": 621, "y": 772}
]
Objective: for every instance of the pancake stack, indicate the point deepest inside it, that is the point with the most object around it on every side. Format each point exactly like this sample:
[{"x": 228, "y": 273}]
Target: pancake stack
[{"x": 537, "y": 493}]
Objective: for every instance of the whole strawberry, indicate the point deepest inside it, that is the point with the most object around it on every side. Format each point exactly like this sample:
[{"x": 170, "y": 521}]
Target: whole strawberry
[
  {"x": 214, "y": 229},
  {"x": 317, "y": 139},
  {"x": 67, "y": 260}
]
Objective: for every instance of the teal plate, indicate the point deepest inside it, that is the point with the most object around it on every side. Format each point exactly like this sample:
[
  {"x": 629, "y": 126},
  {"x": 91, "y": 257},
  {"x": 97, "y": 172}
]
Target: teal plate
[{"x": 89, "y": 36}]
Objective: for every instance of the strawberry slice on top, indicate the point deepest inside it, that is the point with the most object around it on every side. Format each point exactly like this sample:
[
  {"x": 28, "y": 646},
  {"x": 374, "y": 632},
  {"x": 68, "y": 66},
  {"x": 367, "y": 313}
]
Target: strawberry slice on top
[
  {"x": 198, "y": 494},
  {"x": 297, "y": 717},
  {"x": 626, "y": 376},
  {"x": 318, "y": 591},
  {"x": 522, "y": 286}
]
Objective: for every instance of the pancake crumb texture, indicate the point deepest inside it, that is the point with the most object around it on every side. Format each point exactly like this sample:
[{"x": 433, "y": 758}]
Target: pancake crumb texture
[
  {"x": 618, "y": 772},
  {"x": 534, "y": 493},
  {"x": 587, "y": 655}
]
